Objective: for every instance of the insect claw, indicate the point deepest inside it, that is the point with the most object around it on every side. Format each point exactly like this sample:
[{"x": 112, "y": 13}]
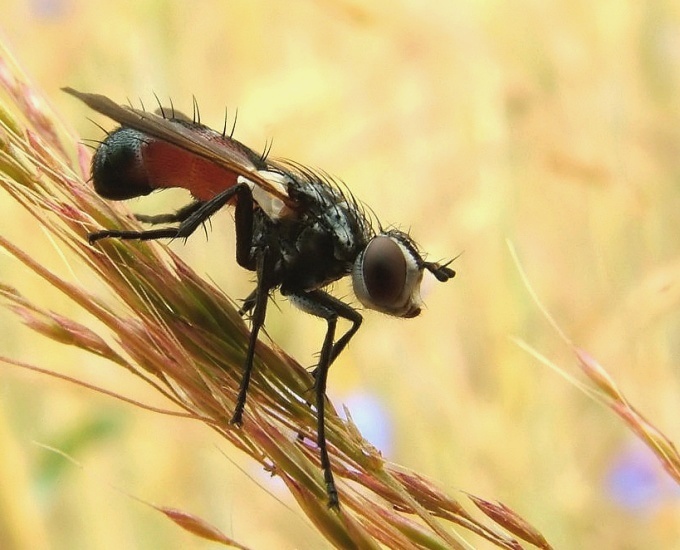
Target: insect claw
[
  {"x": 237, "y": 417},
  {"x": 96, "y": 236},
  {"x": 333, "y": 500}
]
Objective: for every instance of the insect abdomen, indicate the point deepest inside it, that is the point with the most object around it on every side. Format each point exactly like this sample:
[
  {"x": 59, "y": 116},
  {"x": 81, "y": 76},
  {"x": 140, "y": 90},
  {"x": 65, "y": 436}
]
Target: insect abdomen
[
  {"x": 131, "y": 164},
  {"x": 117, "y": 167}
]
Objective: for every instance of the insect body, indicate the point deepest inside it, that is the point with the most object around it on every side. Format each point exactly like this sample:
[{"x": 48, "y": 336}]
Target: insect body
[{"x": 296, "y": 229}]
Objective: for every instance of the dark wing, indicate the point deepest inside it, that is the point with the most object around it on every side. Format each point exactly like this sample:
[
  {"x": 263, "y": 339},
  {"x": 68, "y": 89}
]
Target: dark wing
[{"x": 229, "y": 158}]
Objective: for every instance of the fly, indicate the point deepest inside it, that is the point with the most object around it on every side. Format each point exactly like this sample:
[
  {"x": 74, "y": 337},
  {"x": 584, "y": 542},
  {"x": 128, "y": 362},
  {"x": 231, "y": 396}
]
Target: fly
[{"x": 296, "y": 229}]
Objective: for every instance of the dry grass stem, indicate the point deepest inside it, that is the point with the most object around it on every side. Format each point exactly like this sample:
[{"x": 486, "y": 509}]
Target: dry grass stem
[{"x": 603, "y": 389}]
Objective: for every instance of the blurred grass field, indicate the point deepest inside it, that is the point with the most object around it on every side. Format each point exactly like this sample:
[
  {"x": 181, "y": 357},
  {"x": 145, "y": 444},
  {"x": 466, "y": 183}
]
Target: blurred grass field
[{"x": 553, "y": 126}]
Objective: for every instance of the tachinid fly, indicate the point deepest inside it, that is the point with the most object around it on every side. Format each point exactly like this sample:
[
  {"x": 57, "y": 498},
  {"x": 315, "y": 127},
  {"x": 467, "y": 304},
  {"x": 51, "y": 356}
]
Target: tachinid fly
[{"x": 296, "y": 229}]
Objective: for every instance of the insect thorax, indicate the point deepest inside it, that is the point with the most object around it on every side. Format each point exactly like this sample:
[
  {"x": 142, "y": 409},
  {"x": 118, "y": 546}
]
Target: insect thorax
[{"x": 321, "y": 245}]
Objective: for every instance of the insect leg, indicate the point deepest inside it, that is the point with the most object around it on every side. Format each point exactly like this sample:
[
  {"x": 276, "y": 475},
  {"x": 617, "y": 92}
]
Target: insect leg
[
  {"x": 186, "y": 227},
  {"x": 263, "y": 264},
  {"x": 176, "y": 217},
  {"x": 248, "y": 303},
  {"x": 243, "y": 220},
  {"x": 259, "y": 306},
  {"x": 325, "y": 306}
]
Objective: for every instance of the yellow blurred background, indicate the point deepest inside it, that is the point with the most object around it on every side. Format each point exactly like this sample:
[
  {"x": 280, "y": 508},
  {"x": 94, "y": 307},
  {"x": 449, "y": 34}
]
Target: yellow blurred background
[{"x": 553, "y": 125}]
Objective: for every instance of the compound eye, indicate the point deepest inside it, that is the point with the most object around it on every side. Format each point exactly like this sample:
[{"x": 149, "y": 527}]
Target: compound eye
[{"x": 384, "y": 271}]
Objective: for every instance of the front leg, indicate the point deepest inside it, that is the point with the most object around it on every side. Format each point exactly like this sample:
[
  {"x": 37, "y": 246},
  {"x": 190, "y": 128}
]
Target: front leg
[
  {"x": 257, "y": 302},
  {"x": 322, "y": 304}
]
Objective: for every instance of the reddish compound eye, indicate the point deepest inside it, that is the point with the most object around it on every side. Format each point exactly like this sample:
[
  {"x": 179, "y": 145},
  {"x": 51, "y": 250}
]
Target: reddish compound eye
[
  {"x": 387, "y": 275},
  {"x": 384, "y": 271}
]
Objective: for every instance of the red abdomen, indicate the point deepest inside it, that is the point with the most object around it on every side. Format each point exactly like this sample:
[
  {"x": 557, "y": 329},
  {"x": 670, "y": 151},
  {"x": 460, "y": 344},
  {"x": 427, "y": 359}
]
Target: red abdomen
[
  {"x": 131, "y": 164},
  {"x": 169, "y": 166}
]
